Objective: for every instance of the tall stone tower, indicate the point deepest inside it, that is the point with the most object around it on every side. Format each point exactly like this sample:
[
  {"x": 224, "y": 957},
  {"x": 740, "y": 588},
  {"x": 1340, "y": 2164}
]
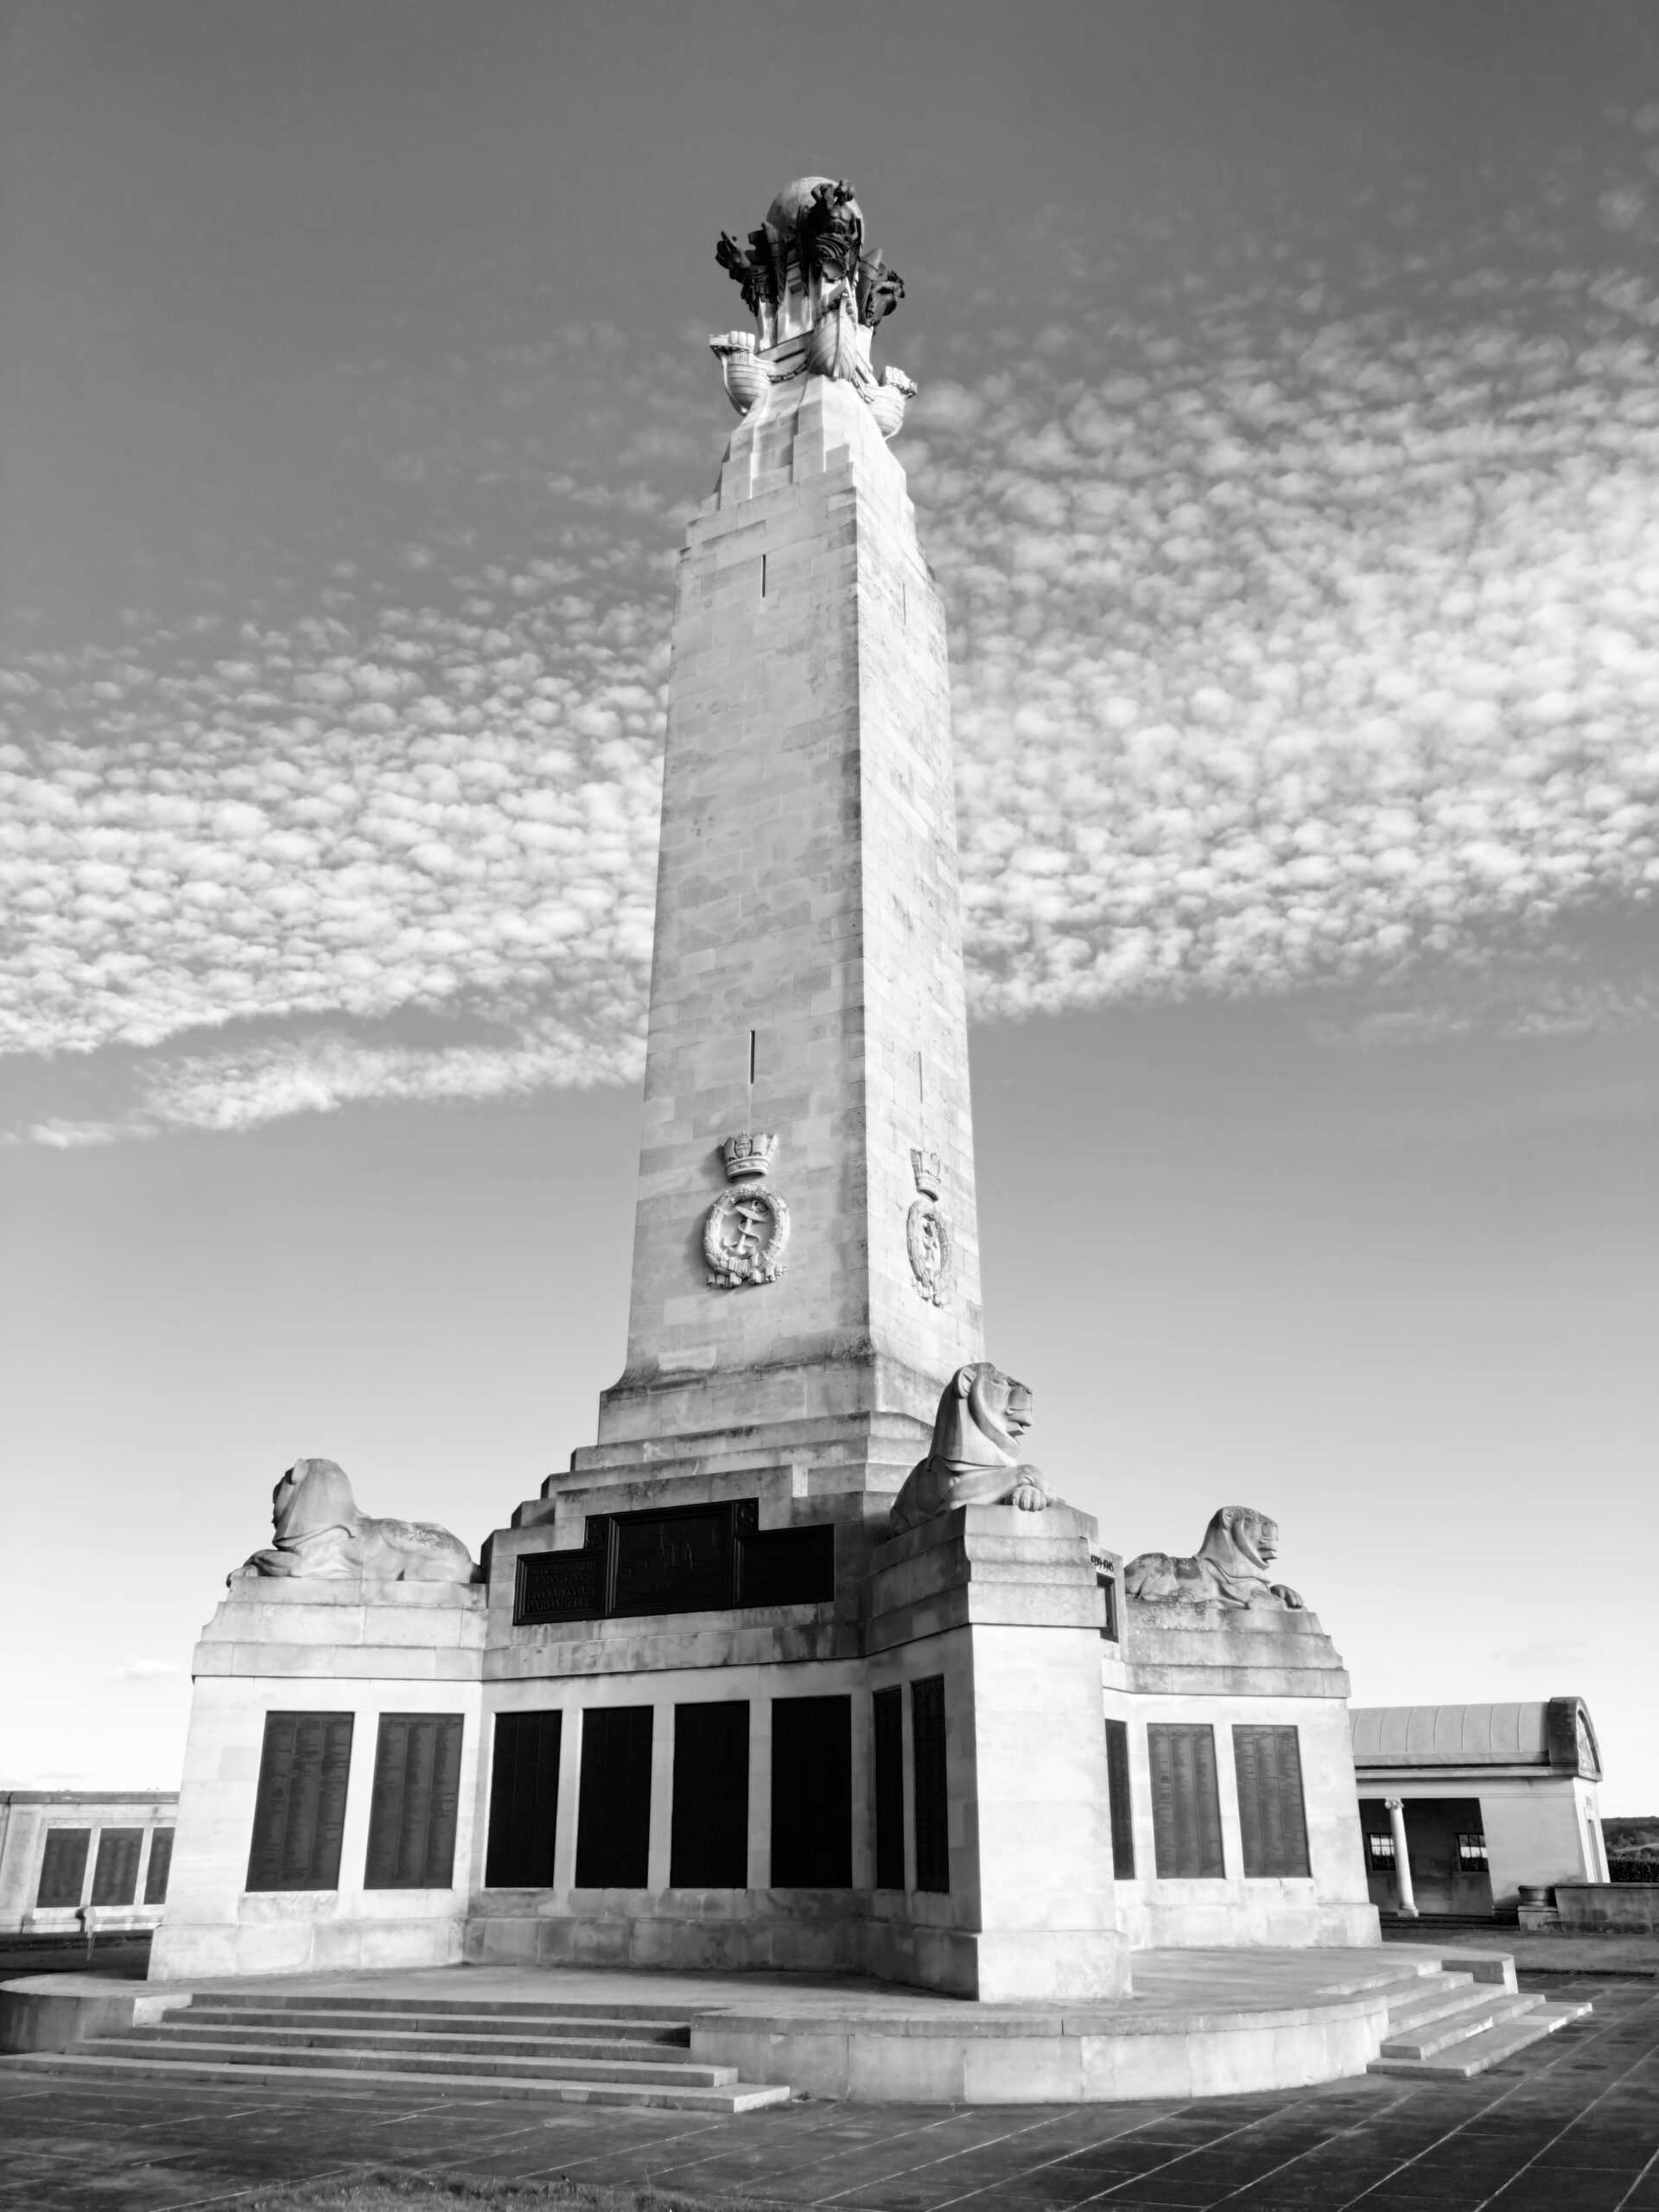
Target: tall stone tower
[{"x": 806, "y": 1002}]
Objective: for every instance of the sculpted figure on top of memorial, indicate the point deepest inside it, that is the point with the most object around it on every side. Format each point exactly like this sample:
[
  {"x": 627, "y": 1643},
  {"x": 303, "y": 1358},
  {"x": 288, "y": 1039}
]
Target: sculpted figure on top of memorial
[
  {"x": 1230, "y": 1569},
  {"x": 318, "y": 1531},
  {"x": 806, "y": 275},
  {"x": 976, "y": 1456}
]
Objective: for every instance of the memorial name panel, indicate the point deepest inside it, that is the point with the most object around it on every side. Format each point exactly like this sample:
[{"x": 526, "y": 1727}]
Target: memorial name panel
[
  {"x": 1272, "y": 1818},
  {"x": 414, "y": 1802},
  {"x": 1120, "y": 1801},
  {"x": 613, "y": 1806},
  {"x": 928, "y": 1753},
  {"x": 887, "y": 1716},
  {"x": 1186, "y": 1803},
  {"x": 299, "y": 1808},
  {"x": 680, "y": 1559},
  {"x": 63, "y": 1867},
  {"x": 115, "y": 1876},
  {"x": 160, "y": 1866},
  {"x": 708, "y": 1846},
  {"x": 813, "y": 1793},
  {"x": 524, "y": 1800}
]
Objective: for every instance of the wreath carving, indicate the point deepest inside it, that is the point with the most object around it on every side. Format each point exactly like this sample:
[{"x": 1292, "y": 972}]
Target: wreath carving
[{"x": 744, "y": 1236}]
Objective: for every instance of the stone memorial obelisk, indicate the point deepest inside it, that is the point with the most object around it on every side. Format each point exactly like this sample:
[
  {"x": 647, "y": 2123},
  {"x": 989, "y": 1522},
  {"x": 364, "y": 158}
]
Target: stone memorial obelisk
[
  {"x": 801, "y": 1665},
  {"x": 807, "y": 984}
]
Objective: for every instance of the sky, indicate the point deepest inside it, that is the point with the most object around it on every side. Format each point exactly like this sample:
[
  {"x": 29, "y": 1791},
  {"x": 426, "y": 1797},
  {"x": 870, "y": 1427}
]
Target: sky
[{"x": 1288, "y": 453}]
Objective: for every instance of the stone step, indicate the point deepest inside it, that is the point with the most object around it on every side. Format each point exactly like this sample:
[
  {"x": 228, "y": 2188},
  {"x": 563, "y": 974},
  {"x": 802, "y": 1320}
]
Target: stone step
[
  {"x": 500, "y": 2043},
  {"x": 1429, "y": 1999},
  {"x": 665, "y": 2034},
  {"x": 354, "y": 2058},
  {"x": 731, "y": 2097},
  {"x": 1487, "y": 2011},
  {"x": 306, "y": 2000},
  {"x": 1475, "y": 2053}
]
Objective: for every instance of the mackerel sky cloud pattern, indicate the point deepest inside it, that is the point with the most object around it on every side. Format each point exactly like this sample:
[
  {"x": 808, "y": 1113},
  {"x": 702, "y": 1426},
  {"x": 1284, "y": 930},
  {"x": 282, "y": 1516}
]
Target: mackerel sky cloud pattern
[{"x": 1300, "y": 628}]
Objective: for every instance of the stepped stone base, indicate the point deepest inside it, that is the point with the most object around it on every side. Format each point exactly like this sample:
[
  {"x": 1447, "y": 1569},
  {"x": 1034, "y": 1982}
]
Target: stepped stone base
[{"x": 1201, "y": 2023}]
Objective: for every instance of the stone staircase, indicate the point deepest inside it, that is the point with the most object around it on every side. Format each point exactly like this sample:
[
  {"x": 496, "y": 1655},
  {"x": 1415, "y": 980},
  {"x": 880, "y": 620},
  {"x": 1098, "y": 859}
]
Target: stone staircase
[
  {"x": 1448, "y": 2024},
  {"x": 571, "y": 2054}
]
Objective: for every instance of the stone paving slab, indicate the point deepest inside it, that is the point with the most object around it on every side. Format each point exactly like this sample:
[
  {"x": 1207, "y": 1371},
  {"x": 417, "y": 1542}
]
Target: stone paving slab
[{"x": 1571, "y": 2125}]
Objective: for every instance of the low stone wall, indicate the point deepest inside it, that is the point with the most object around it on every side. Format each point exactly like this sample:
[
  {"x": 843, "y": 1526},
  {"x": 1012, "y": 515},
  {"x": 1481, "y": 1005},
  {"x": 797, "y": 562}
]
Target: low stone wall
[
  {"x": 1621, "y": 1908},
  {"x": 1048, "y": 2059},
  {"x": 51, "y": 2011}
]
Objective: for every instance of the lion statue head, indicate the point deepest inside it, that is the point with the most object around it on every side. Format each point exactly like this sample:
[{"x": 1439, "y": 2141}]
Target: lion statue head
[
  {"x": 975, "y": 1458},
  {"x": 982, "y": 1414}
]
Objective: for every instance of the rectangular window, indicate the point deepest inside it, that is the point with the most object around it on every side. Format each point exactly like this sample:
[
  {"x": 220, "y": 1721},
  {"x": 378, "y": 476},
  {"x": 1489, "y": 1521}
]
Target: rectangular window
[
  {"x": 415, "y": 1801},
  {"x": 1471, "y": 1853},
  {"x": 299, "y": 1808},
  {"x": 524, "y": 1800},
  {"x": 1379, "y": 1852},
  {"x": 1186, "y": 1805},
  {"x": 927, "y": 1749},
  {"x": 1272, "y": 1820},
  {"x": 708, "y": 1841},
  {"x": 888, "y": 1710},
  {"x": 1118, "y": 1797},
  {"x": 114, "y": 1875},
  {"x": 63, "y": 1869},
  {"x": 160, "y": 1866},
  {"x": 1108, "y": 1584},
  {"x": 613, "y": 1814},
  {"x": 811, "y": 1793}
]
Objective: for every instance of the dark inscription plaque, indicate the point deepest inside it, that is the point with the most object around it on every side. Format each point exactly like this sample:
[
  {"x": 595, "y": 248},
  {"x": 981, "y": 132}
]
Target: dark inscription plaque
[
  {"x": 708, "y": 1844},
  {"x": 114, "y": 1875},
  {"x": 811, "y": 1793},
  {"x": 690, "y": 1559},
  {"x": 675, "y": 1562},
  {"x": 414, "y": 1803},
  {"x": 160, "y": 1866},
  {"x": 932, "y": 1802},
  {"x": 1185, "y": 1803},
  {"x": 788, "y": 1566},
  {"x": 63, "y": 1868},
  {"x": 1273, "y": 1823},
  {"x": 889, "y": 1712},
  {"x": 524, "y": 1800},
  {"x": 559, "y": 1587},
  {"x": 299, "y": 1810},
  {"x": 1121, "y": 1801}
]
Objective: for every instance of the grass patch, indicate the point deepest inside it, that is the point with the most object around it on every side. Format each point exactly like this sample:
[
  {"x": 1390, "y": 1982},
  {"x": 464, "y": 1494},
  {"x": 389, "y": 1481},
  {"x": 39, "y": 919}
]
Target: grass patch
[{"x": 380, "y": 2190}]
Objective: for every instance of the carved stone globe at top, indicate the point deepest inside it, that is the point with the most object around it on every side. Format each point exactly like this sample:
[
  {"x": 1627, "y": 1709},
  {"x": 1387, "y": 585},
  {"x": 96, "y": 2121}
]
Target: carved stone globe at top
[{"x": 784, "y": 216}]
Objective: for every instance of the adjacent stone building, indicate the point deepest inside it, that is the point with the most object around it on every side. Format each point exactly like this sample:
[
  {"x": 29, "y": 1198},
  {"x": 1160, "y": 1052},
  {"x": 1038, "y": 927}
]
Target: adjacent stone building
[{"x": 1480, "y": 1801}]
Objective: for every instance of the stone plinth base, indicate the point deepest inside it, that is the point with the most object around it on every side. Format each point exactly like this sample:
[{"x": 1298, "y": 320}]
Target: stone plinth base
[
  {"x": 316, "y": 1645},
  {"x": 1223, "y": 1672}
]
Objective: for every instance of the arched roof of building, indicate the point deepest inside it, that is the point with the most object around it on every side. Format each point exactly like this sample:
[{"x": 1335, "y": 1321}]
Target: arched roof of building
[{"x": 1555, "y": 1732}]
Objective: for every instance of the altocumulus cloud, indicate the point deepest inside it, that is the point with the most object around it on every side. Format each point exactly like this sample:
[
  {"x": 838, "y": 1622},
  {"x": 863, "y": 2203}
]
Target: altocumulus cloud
[{"x": 1300, "y": 630}]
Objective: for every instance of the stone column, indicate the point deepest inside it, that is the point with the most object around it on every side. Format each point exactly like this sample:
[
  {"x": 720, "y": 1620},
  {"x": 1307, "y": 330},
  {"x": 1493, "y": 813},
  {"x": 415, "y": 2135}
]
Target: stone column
[
  {"x": 1006, "y": 1606},
  {"x": 1407, "y": 1903},
  {"x": 807, "y": 979}
]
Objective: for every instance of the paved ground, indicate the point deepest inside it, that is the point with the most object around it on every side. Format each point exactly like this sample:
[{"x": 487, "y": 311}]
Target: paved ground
[{"x": 1571, "y": 2124}]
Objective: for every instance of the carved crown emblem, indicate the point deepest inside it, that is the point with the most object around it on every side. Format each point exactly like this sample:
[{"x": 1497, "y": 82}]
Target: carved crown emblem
[
  {"x": 749, "y": 1153},
  {"x": 925, "y": 1167}
]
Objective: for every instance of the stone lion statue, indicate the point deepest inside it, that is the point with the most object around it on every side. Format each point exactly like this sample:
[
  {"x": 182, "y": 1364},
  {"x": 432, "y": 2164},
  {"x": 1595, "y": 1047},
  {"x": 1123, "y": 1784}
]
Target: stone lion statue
[
  {"x": 318, "y": 1531},
  {"x": 976, "y": 1458},
  {"x": 1230, "y": 1567}
]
